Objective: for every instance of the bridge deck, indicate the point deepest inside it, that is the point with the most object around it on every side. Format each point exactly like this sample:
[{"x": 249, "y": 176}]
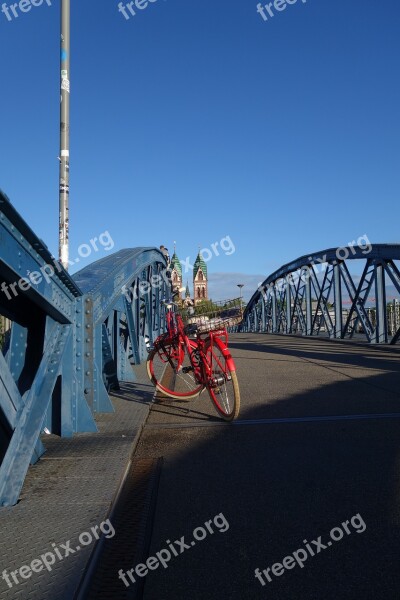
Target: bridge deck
[
  {"x": 284, "y": 473},
  {"x": 69, "y": 491},
  {"x": 279, "y": 483}
]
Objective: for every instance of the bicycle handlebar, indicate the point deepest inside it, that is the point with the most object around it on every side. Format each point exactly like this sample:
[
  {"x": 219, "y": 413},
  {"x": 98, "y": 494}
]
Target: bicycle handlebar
[{"x": 170, "y": 303}]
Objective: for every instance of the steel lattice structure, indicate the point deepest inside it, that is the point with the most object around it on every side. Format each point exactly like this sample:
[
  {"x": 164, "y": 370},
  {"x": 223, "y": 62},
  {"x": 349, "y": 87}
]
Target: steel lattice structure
[
  {"x": 307, "y": 296},
  {"x": 72, "y": 340}
]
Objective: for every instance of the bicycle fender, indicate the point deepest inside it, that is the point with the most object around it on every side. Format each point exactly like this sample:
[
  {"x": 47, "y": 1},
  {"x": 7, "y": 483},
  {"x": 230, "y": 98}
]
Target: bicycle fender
[{"x": 227, "y": 355}]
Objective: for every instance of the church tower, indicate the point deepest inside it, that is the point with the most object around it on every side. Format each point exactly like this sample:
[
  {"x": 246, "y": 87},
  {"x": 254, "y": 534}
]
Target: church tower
[
  {"x": 176, "y": 272},
  {"x": 187, "y": 300},
  {"x": 200, "y": 280}
]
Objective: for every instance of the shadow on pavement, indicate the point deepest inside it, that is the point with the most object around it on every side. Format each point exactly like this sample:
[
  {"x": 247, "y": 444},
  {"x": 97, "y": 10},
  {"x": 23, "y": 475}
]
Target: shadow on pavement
[{"x": 280, "y": 484}]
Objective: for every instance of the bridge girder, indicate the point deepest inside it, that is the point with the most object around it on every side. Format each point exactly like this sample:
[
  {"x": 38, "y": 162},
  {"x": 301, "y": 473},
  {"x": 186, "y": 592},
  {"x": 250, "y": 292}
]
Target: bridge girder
[
  {"x": 72, "y": 339},
  {"x": 307, "y": 295}
]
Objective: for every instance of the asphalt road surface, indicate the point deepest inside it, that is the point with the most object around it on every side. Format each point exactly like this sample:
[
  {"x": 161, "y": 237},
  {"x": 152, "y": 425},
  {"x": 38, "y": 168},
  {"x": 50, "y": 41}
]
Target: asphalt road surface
[{"x": 304, "y": 486}]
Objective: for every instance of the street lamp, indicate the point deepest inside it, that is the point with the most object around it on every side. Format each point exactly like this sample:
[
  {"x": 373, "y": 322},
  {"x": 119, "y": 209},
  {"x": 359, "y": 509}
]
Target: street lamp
[{"x": 240, "y": 286}]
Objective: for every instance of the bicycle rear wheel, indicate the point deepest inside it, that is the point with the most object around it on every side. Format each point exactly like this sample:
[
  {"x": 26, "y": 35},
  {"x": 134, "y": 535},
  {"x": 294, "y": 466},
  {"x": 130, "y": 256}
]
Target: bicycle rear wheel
[
  {"x": 170, "y": 369},
  {"x": 223, "y": 386}
]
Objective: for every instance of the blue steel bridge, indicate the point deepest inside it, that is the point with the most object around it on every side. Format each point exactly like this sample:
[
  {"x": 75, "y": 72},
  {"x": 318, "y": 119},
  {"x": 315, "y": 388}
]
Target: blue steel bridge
[
  {"x": 76, "y": 338},
  {"x": 317, "y": 293}
]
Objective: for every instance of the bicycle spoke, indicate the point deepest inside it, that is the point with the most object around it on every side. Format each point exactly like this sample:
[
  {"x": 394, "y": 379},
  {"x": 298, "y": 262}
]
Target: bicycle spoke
[
  {"x": 170, "y": 369},
  {"x": 222, "y": 386}
]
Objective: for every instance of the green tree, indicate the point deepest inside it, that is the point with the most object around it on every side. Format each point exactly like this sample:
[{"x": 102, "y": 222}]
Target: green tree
[{"x": 207, "y": 307}]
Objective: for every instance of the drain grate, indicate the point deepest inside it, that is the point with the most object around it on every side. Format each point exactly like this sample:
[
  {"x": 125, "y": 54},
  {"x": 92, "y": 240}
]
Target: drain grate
[{"x": 132, "y": 519}]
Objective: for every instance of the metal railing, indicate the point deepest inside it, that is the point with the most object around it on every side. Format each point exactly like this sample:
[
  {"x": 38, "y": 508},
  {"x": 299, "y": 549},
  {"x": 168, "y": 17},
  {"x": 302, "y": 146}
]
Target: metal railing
[{"x": 307, "y": 296}]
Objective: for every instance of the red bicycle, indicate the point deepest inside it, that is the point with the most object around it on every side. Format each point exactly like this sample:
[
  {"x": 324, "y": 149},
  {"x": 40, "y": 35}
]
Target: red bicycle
[{"x": 188, "y": 359}]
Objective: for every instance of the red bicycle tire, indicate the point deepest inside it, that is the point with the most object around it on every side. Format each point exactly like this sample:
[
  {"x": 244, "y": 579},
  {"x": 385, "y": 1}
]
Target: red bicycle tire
[
  {"x": 157, "y": 379},
  {"x": 225, "y": 396}
]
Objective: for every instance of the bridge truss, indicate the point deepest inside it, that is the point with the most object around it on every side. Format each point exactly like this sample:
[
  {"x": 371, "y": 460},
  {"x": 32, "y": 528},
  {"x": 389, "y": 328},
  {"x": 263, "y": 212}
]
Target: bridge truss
[
  {"x": 340, "y": 293},
  {"x": 73, "y": 339}
]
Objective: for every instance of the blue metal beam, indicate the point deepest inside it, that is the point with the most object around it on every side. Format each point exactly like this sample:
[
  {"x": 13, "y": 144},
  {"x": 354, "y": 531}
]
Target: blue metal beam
[
  {"x": 291, "y": 303},
  {"x": 10, "y": 398},
  {"x": 60, "y": 364},
  {"x": 20, "y": 450},
  {"x": 381, "y": 314}
]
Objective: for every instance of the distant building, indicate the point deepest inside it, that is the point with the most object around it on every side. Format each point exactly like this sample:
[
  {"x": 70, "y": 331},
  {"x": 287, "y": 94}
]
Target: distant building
[
  {"x": 200, "y": 279},
  {"x": 176, "y": 272},
  {"x": 187, "y": 302}
]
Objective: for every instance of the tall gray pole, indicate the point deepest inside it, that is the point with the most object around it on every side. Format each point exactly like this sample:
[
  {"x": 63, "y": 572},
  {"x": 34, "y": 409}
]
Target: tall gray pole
[
  {"x": 240, "y": 286},
  {"x": 63, "y": 247}
]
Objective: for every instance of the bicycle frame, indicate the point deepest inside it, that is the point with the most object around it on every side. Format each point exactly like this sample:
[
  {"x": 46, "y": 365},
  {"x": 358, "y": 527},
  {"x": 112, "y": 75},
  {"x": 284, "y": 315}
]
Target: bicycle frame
[
  {"x": 196, "y": 349},
  {"x": 199, "y": 357},
  {"x": 199, "y": 360}
]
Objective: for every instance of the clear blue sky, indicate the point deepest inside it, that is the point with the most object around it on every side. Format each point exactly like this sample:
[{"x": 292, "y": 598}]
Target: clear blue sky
[{"x": 192, "y": 121}]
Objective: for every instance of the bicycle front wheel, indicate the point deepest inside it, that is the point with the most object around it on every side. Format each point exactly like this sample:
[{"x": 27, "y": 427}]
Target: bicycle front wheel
[
  {"x": 222, "y": 385},
  {"x": 170, "y": 369}
]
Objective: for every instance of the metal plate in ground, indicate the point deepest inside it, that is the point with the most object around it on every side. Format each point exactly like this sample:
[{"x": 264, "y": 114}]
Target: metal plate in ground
[{"x": 132, "y": 520}]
